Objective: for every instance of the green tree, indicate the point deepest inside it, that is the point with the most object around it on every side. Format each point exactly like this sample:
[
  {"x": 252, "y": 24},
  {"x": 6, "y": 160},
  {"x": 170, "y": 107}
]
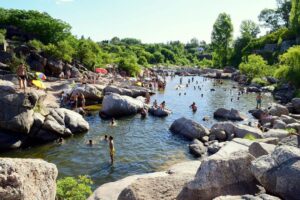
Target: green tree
[
  {"x": 70, "y": 188},
  {"x": 295, "y": 16},
  {"x": 62, "y": 51},
  {"x": 249, "y": 29},
  {"x": 221, "y": 38},
  {"x": 291, "y": 61},
  {"x": 254, "y": 66}
]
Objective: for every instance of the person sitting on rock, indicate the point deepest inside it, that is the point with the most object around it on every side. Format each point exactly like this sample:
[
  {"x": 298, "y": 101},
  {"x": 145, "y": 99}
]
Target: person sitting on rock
[
  {"x": 82, "y": 100},
  {"x": 147, "y": 98}
]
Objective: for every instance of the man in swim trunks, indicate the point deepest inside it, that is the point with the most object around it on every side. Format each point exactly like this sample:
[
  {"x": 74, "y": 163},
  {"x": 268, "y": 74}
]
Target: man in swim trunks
[{"x": 21, "y": 72}]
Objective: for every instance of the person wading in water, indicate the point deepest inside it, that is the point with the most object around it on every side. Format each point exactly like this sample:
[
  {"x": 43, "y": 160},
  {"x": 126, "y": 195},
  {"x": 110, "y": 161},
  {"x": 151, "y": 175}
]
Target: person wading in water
[{"x": 111, "y": 149}]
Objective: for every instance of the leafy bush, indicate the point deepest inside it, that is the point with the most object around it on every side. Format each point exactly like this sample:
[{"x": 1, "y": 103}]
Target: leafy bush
[
  {"x": 129, "y": 65},
  {"x": 2, "y": 35},
  {"x": 249, "y": 136},
  {"x": 38, "y": 45},
  {"x": 291, "y": 60},
  {"x": 63, "y": 50},
  {"x": 282, "y": 72},
  {"x": 254, "y": 66},
  {"x": 70, "y": 188},
  {"x": 260, "y": 81},
  {"x": 206, "y": 63}
]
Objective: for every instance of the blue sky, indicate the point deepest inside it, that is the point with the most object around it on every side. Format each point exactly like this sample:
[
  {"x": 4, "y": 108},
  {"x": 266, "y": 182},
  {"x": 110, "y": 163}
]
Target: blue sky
[{"x": 148, "y": 20}]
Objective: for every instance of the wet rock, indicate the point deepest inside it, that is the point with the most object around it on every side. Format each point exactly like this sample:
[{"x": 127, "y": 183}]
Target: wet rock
[
  {"x": 10, "y": 141},
  {"x": 115, "y": 105},
  {"x": 189, "y": 128},
  {"x": 279, "y": 172},
  {"x": 258, "y": 149},
  {"x": 278, "y": 110},
  {"x": 158, "y": 112},
  {"x": 228, "y": 114},
  {"x": 197, "y": 148},
  {"x": 27, "y": 179},
  {"x": 257, "y": 113}
]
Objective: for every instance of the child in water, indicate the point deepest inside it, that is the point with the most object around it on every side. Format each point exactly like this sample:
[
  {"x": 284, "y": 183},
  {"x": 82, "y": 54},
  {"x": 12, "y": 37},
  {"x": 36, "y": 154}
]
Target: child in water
[
  {"x": 113, "y": 122},
  {"x": 111, "y": 149}
]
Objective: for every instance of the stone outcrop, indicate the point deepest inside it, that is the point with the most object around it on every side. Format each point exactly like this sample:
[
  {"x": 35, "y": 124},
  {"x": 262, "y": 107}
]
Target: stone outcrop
[
  {"x": 27, "y": 179},
  {"x": 197, "y": 148},
  {"x": 225, "y": 173},
  {"x": 258, "y": 149},
  {"x": 279, "y": 172},
  {"x": 115, "y": 105},
  {"x": 131, "y": 92},
  {"x": 189, "y": 129},
  {"x": 232, "y": 114},
  {"x": 159, "y": 185},
  {"x": 278, "y": 110}
]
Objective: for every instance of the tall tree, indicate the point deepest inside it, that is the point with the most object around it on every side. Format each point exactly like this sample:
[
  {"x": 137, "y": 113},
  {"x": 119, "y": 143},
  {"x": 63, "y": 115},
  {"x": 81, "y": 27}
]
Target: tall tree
[
  {"x": 249, "y": 29},
  {"x": 221, "y": 39},
  {"x": 295, "y": 16}
]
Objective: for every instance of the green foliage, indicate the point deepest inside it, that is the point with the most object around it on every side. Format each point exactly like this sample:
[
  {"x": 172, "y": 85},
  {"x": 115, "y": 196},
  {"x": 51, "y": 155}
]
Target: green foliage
[
  {"x": 254, "y": 66},
  {"x": 206, "y": 63},
  {"x": 15, "y": 63},
  {"x": 282, "y": 72},
  {"x": 70, "y": 188},
  {"x": 249, "y": 29},
  {"x": 63, "y": 51},
  {"x": 221, "y": 39},
  {"x": 295, "y": 16},
  {"x": 291, "y": 131},
  {"x": 260, "y": 81},
  {"x": 249, "y": 136},
  {"x": 2, "y": 36},
  {"x": 291, "y": 61},
  {"x": 38, "y": 45},
  {"x": 129, "y": 65}
]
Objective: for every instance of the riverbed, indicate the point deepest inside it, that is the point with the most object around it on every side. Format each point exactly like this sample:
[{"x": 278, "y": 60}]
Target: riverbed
[{"x": 142, "y": 145}]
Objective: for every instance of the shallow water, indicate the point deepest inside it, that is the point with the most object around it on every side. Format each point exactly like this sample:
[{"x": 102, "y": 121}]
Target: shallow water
[{"x": 142, "y": 145}]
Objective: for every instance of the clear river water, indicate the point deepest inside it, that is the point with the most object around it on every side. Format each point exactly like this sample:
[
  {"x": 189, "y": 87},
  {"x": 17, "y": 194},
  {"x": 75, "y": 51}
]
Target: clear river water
[{"x": 142, "y": 145}]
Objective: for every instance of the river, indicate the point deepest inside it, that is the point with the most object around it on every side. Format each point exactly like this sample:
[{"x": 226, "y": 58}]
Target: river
[{"x": 142, "y": 145}]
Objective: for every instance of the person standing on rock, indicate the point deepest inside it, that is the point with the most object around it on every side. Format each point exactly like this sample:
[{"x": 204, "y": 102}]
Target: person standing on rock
[
  {"x": 111, "y": 149},
  {"x": 258, "y": 101},
  {"x": 21, "y": 72}
]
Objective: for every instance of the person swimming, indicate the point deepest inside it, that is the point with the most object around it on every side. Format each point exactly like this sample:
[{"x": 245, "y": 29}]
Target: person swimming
[
  {"x": 155, "y": 104},
  {"x": 194, "y": 107},
  {"x": 90, "y": 143},
  {"x": 112, "y": 150},
  {"x": 113, "y": 122}
]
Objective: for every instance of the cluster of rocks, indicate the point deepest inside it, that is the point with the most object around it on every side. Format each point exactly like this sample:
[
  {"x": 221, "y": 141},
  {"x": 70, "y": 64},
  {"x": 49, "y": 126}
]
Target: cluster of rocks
[
  {"x": 241, "y": 169},
  {"x": 27, "y": 118}
]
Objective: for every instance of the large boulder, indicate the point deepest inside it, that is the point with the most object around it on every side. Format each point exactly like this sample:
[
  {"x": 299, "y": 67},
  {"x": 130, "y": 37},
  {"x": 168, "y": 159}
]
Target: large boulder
[
  {"x": 158, "y": 185},
  {"x": 60, "y": 122},
  {"x": 296, "y": 105},
  {"x": 158, "y": 112},
  {"x": 225, "y": 173},
  {"x": 189, "y": 128},
  {"x": 115, "y": 105},
  {"x": 232, "y": 114},
  {"x": 10, "y": 141},
  {"x": 54, "y": 67},
  {"x": 197, "y": 148},
  {"x": 278, "y": 110},
  {"x": 27, "y": 179},
  {"x": 16, "y": 110},
  {"x": 90, "y": 92},
  {"x": 279, "y": 172},
  {"x": 277, "y": 133},
  {"x": 258, "y": 149},
  {"x": 241, "y": 131},
  {"x": 132, "y": 92}
]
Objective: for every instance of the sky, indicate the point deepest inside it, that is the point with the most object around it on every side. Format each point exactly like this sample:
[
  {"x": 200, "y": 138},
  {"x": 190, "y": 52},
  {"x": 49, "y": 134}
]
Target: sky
[{"x": 152, "y": 21}]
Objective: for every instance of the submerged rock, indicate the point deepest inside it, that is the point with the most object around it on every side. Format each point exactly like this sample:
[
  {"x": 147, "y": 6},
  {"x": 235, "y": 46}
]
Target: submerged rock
[
  {"x": 189, "y": 129},
  {"x": 27, "y": 179}
]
